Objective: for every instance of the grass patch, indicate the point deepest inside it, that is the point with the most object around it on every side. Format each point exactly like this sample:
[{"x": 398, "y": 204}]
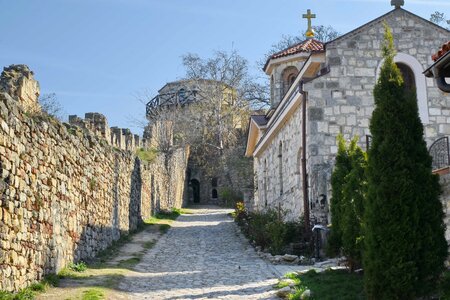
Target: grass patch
[
  {"x": 31, "y": 291},
  {"x": 330, "y": 284},
  {"x": 164, "y": 218},
  {"x": 149, "y": 244},
  {"x": 284, "y": 283},
  {"x": 25, "y": 294},
  {"x": 93, "y": 294},
  {"x": 147, "y": 155},
  {"x": 129, "y": 263}
]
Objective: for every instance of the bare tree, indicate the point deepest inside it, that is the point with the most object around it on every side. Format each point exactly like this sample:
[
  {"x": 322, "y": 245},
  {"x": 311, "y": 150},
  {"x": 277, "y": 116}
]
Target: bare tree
[
  {"x": 440, "y": 19},
  {"x": 322, "y": 33},
  {"x": 213, "y": 124},
  {"x": 51, "y": 106}
]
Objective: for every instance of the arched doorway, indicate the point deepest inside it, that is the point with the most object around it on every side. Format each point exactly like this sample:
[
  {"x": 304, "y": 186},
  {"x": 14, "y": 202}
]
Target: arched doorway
[{"x": 195, "y": 184}]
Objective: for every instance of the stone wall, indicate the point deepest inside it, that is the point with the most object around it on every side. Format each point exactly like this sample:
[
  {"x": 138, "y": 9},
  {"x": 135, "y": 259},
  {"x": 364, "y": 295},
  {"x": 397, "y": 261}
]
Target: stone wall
[
  {"x": 66, "y": 193},
  {"x": 278, "y": 178},
  {"x": 342, "y": 100},
  {"x": 445, "y": 197}
]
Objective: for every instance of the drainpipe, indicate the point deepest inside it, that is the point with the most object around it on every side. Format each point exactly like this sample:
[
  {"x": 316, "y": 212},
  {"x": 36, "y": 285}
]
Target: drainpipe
[
  {"x": 304, "y": 175},
  {"x": 441, "y": 83}
]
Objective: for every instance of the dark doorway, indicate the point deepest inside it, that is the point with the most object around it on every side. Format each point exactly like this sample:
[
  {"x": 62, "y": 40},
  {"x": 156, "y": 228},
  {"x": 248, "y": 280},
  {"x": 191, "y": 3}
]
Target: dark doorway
[
  {"x": 195, "y": 190},
  {"x": 214, "y": 194}
]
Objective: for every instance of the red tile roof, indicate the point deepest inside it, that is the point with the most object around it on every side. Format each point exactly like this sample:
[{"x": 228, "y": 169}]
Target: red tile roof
[
  {"x": 444, "y": 49},
  {"x": 309, "y": 45}
]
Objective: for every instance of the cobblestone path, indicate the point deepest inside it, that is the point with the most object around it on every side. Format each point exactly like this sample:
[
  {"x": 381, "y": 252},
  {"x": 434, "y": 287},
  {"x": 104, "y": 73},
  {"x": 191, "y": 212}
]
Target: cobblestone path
[{"x": 203, "y": 256}]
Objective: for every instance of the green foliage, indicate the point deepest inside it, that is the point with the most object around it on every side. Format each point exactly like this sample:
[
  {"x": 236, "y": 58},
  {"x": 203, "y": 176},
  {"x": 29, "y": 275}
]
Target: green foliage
[
  {"x": 240, "y": 213},
  {"x": 93, "y": 294},
  {"x": 330, "y": 285},
  {"x": 230, "y": 196},
  {"x": 341, "y": 170},
  {"x": 444, "y": 286},
  {"x": 92, "y": 184},
  {"x": 25, "y": 294},
  {"x": 147, "y": 155},
  {"x": 267, "y": 229},
  {"x": 349, "y": 188},
  {"x": 130, "y": 262},
  {"x": 77, "y": 267},
  {"x": 404, "y": 238}
]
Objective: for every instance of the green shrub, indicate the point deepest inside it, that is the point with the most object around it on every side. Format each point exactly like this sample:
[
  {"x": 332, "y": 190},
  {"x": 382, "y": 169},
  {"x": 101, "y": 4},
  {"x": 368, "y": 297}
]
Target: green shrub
[
  {"x": 276, "y": 231},
  {"x": 77, "y": 267},
  {"x": 147, "y": 155},
  {"x": 240, "y": 213},
  {"x": 405, "y": 246},
  {"x": 341, "y": 169}
]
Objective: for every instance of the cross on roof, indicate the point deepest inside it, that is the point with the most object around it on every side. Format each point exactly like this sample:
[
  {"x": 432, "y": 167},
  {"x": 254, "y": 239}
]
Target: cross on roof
[
  {"x": 397, "y": 3},
  {"x": 309, "y": 16}
]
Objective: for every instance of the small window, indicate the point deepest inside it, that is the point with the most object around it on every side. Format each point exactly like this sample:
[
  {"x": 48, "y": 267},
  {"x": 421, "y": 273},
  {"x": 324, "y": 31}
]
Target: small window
[
  {"x": 182, "y": 95},
  {"x": 214, "y": 194}
]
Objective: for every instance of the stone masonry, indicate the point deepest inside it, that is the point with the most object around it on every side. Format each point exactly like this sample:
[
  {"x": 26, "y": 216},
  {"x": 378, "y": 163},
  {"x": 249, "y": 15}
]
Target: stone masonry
[
  {"x": 65, "y": 192},
  {"x": 340, "y": 100}
]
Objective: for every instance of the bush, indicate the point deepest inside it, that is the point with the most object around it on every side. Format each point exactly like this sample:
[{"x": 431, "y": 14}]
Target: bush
[
  {"x": 405, "y": 246},
  {"x": 77, "y": 267},
  {"x": 267, "y": 229}
]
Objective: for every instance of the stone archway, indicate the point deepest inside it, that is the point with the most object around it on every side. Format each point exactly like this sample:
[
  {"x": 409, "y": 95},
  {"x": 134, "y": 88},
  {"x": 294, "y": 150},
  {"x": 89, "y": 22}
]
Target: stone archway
[{"x": 195, "y": 184}]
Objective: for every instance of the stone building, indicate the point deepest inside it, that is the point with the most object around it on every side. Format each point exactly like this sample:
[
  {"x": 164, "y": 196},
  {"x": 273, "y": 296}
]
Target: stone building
[
  {"x": 321, "y": 90},
  {"x": 180, "y": 113}
]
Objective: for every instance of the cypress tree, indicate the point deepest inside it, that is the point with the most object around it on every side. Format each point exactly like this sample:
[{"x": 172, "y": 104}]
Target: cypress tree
[
  {"x": 352, "y": 205},
  {"x": 405, "y": 246},
  {"x": 341, "y": 169}
]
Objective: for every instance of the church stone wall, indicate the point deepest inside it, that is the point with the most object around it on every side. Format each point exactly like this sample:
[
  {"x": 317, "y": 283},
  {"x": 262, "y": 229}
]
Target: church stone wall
[
  {"x": 342, "y": 100},
  {"x": 267, "y": 171},
  {"x": 66, "y": 194}
]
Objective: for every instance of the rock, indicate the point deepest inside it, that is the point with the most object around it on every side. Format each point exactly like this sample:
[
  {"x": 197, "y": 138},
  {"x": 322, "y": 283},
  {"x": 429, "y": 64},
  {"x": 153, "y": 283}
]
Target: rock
[
  {"x": 289, "y": 257},
  {"x": 306, "y": 295},
  {"x": 284, "y": 292}
]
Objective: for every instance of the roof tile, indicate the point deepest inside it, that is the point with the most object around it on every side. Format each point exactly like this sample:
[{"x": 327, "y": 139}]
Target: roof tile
[
  {"x": 309, "y": 45},
  {"x": 444, "y": 49}
]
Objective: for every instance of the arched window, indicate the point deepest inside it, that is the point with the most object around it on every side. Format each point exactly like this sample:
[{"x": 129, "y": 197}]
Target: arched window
[
  {"x": 214, "y": 194},
  {"x": 288, "y": 77},
  {"x": 280, "y": 165},
  {"x": 412, "y": 69},
  {"x": 408, "y": 77}
]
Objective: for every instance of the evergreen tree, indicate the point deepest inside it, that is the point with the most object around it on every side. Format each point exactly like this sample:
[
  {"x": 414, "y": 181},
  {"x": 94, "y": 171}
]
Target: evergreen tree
[
  {"x": 348, "y": 191},
  {"x": 352, "y": 206},
  {"x": 341, "y": 169},
  {"x": 405, "y": 246}
]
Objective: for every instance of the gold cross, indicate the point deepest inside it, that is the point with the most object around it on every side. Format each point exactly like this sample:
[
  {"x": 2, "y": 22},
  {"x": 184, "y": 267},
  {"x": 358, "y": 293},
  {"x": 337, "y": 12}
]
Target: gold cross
[{"x": 309, "y": 16}]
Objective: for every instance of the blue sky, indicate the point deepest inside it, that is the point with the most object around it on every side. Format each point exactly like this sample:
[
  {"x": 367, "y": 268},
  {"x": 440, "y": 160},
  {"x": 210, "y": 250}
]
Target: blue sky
[{"x": 97, "y": 55}]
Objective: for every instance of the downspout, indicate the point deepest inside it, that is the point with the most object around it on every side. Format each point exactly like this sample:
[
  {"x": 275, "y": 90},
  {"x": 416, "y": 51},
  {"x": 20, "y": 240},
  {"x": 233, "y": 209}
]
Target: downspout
[
  {"x": 441, "y": 83},
  {"x": 304, "y": 174}
]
